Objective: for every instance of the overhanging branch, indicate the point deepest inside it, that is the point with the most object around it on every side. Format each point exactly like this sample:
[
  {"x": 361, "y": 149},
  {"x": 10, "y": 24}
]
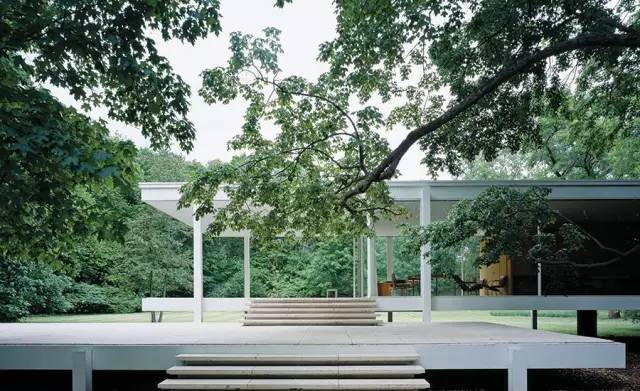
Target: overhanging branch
[{"x": 387, "y": 167}]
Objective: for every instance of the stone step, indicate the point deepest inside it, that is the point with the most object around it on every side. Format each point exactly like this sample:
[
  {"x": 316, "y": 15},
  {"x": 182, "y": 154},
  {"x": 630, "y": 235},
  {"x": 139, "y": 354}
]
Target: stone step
[
  {"x": 297, "y": 359},
  {"x": 294, "y": 384},
  {"x": 347, "y": 304},
  {"x": 311, "y": 322},
  {"x": 312, "y": 315},
  {"x": 298, "y": 371},
  {"x": 315, "y": 300},
  {"x": 304, "y": 310}
]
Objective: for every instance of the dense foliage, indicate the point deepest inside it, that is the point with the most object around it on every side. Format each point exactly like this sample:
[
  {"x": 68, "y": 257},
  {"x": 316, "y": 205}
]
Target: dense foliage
[
  {"x": 104, "y": 55},
  {"x": 593, "y": 133},
  {"x": 30, "y": 287},
  {"x": 150, "y": 254},
  {"x": 459, "y": 78}
]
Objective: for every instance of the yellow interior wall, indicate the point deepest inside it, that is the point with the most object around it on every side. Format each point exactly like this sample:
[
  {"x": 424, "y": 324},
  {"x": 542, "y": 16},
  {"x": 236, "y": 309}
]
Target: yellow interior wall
[{"x": 492, "y": 274}]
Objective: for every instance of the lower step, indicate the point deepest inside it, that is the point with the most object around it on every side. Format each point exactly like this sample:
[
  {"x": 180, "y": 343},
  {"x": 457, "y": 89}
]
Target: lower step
[
  {"x": 311, "y": 322},
  {"x": 315, "y": 300},
  {"x": 294, "y": 384},
  {"x": 297, "y": 371}
]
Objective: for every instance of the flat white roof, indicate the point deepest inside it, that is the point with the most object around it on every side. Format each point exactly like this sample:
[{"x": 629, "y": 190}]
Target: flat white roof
[{"x": 164, "y": 196}]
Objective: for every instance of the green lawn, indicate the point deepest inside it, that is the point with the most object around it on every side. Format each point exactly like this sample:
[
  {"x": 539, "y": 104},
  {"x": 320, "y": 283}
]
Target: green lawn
[
  {"x": 137, "y": 317},
  {"x": 560, "y": 321}
]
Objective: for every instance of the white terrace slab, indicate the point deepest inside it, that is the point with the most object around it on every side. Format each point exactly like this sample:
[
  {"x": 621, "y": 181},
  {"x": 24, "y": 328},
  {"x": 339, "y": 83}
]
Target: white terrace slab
[
  {"x": 233, "y": 333},
  {"x": 154, "y": 346}
]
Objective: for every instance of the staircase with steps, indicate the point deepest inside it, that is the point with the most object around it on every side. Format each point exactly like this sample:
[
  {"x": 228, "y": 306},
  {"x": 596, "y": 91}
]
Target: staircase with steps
[
  {"x": 321, "y": 311},
  {"x": 296, "y": 372}
]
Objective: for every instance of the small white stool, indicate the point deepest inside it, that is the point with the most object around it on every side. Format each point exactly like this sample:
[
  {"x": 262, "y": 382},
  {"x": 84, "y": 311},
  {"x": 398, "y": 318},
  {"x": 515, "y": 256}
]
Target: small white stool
[{"x": 332, "y": 292}]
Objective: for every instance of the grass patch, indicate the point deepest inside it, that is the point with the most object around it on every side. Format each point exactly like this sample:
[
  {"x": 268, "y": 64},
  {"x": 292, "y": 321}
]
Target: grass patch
[{"x": 541, "y": 314}]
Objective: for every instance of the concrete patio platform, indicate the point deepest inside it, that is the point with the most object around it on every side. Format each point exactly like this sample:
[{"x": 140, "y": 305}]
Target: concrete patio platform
[
  {"x": 154, "y": 346},
  {"x": 235, "y": 334}
]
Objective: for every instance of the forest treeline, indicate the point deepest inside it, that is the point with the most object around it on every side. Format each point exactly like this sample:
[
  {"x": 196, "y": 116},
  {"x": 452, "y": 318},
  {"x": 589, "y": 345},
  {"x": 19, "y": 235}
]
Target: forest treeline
[{"x": 128, "y": 250}]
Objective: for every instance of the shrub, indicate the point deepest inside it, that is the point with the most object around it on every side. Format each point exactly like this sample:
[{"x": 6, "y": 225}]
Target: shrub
[
  {"x": 30, "y": 287},
  {"x": 92, "y": 299},
  {"x": 632, "y": 314}
]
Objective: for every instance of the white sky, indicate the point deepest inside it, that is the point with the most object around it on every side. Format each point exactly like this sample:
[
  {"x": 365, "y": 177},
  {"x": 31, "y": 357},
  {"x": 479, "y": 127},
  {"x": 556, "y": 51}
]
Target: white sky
[{"x": 304, "y": 24}]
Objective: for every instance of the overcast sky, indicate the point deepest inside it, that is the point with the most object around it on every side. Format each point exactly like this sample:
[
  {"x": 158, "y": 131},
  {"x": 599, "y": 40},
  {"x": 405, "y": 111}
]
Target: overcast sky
[{"x": 304, "y": 25}]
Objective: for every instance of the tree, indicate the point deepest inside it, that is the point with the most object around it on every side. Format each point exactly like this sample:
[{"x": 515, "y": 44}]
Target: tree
[
  {"x": 505, "y": 166},
  {"x": 462, "y": 78},
  {"x": 593, "y": 133},
  {"x": 103, "y": 54},
  {"x": 164, "y": 166},
  {"x": 291, "y": 267},
  {"x": 157, "y": 251},
  {"x": 157, "y": 259}
]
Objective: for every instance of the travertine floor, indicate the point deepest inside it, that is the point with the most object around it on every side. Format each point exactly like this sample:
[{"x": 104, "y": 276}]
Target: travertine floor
[{"x": 231, "y": 333}]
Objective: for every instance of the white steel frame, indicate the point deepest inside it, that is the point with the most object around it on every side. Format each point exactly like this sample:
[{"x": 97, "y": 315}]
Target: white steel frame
[{"x": 423, "y": 192}]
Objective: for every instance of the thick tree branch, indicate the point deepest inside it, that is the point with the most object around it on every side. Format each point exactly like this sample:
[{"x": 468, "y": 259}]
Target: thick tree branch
[
  {"x": 586, "y": 233},
  {"x": 387, "y": 167},
  {"x": 618, "y": 258},
  {"x": 331, "y": 102}
]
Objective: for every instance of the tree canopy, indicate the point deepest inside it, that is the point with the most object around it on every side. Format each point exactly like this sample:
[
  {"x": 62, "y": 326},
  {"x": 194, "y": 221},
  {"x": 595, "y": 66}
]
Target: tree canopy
[
  {"x": 458, "y": 78},
  {"x": 593, "y": 133},
  {"x": 104, "y": 54}
]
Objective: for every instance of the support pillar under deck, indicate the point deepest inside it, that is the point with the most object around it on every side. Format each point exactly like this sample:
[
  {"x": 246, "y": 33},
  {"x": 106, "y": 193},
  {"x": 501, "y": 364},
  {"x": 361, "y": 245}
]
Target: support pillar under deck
[
  {"x": 587, "y": 323},
  {"x": 82, "y": 370},
  {"x": 517, "y": 371}
]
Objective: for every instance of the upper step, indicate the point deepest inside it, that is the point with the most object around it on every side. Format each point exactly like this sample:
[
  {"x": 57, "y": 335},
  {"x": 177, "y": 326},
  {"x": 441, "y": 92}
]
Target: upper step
[
  {"x": 312, "y": 315},
  {"x": 298, "y": 359},
  {"x": 305, "y": 310},
  {"x": 323, "y": 304},
  {"x": 294, "y": 384},
  {"x": 300, "y": 371}
]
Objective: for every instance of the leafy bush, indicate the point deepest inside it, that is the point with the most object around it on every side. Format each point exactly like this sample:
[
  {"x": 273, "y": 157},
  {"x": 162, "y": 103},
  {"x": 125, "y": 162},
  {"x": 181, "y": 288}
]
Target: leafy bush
[
  {"x": 30, "y": 287},
  {"x": 632, "y": 314},
  {"x": 93, "y": 299}
]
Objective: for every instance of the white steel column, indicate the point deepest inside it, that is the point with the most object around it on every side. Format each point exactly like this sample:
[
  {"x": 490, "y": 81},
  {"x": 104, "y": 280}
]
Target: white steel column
[
  {"x": 534, "y": 313},
  {"x": 82, "y": 370},
  {"x": 362, "y": 255},
  {"x": 389, "y": 258},
  {"x": 246, "y": 266},
  {"x": 355, "y": 269},
  {"x": 425, "y": 264},
  {"x": 197, "y": 270},
  {"x": 372, "y": 272},
  {"x": 517, "y": 371}
]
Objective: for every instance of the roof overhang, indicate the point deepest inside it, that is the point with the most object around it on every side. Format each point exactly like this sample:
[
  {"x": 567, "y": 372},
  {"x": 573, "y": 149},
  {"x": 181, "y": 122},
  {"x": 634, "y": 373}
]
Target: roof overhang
[{"x": 596, "y": 199}]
